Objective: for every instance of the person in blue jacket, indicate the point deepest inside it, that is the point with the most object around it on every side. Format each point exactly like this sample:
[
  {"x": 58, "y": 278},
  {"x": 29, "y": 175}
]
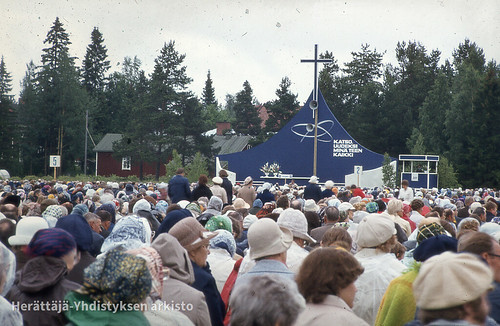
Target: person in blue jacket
[{"x": 178, "y": 187}]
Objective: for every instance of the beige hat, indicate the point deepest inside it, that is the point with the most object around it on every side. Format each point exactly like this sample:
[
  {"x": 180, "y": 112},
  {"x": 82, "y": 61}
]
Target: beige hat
[
  {"x": 374, "y": 229},
  {"x": 248, "y": 180},
  {"x": 217, "y": 180},
  {"x": 310, "y": 206},
  {"x": 463, "y": 274},
  {"x": 313, "y": 179},
  {"x": 191, "y": 234},
  {"x": 266, "y": 238},
  {"x": 473, "y": 206},
  {"x": 26, "y": 228},
  {"x": 240, "y": 203},
  {"x": 295, "y": 221}
]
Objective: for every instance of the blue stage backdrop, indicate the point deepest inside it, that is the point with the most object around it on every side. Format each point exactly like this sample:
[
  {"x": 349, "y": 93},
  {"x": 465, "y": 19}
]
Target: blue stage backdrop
[{"x": 293, "y": 147}]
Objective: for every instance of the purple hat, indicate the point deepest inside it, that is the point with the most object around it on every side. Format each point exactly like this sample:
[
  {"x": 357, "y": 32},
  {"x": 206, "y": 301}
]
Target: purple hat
[{"x": 51, "y": 242}]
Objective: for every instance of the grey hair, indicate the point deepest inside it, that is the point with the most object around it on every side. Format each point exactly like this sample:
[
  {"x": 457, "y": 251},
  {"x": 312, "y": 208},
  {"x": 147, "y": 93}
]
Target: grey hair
[
  {"x": 394, "y": 206},
  {"x": 89, "y": 217},
  {"x": 266, "y": 300}
]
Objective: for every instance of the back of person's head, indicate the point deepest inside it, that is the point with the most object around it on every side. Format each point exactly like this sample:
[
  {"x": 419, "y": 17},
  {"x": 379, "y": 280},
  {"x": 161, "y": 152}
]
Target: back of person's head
[
  {"x": 203, "y": 179},
  {"x": 381, "y": 205},
  {"x": 296, "y": 204},
  {"x": 326, "y": 271},
  {"x": 404, "y": 183},
  {"x": 283, "y": 202},
  {"x": 476, "y": 243},
  {"x": 439, "y": 210},
  {"x": 337, "y": 236},
  {"x": 266, "y": 300},
  {"x": 417, "y": 204},
  {"x": 332, "y": 214},
  {"x": 394, "y": 206},
  {"x": 223, "y": 174},
  {"x": 7, "y": 229},
  {"x": 489, "y": 205},
  {"x": 104, "y": 215},
  {"x": 468, "y": 223}
]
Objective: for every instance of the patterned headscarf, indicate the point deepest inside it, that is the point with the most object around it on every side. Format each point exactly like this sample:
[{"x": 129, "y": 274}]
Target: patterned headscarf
[
  {"x": 52, "y": 214},
  {"x": 155, "y": 266},
  {"x": 225, "y": 240},
  {"x": 117, "y": 277},
  {"x": 162, "y": 206},
  {"x": 128, "y": 233},
  {"x": 344, "y": 225},
  {"x": 429, "y": 231},
  {"x": 220, "y": 222},
  {"x": 194, "y": 208},
  {"x": 52, "y": 242},
  {"x": 372, "y": 207}
]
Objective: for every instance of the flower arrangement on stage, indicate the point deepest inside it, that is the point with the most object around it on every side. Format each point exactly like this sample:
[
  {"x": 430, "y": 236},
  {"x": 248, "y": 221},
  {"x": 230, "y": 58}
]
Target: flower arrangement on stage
[
  {"x": 275, "y": 168},
  {"x": 266, "y": 168}
]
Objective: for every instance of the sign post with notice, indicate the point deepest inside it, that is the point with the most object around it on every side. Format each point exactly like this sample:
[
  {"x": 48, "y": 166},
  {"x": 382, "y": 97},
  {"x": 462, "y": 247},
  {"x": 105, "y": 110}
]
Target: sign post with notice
[
  {"x": 55, "y": 162},
  {"x": 358, "y": 170}
]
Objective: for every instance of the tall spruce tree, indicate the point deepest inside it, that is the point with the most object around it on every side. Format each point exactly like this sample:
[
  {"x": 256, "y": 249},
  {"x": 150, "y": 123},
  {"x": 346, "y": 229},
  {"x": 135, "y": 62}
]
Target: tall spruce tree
[
  {"x": 62, "y": 100},
  {"x": 283, "y": 108},
  {"x": 95, "y": 64},
  {"x": 8, "y": 130},
  {"x": 33, "y": 139},
  {"x": 247, "y": 117},
  {"x": 209, "y": 92}
]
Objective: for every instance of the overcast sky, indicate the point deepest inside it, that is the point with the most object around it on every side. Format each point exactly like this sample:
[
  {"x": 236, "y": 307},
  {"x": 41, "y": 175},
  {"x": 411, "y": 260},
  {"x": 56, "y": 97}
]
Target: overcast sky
[{"x": 258, "y": 41}]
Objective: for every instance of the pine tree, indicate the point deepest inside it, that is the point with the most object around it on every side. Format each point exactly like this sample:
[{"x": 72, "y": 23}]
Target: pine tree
[
  {"x": 282, "y": 109},
  {"x": 247, "y": 118},
  {"x": 168, "y": 82},
  {"x": 209, "y": 92}
]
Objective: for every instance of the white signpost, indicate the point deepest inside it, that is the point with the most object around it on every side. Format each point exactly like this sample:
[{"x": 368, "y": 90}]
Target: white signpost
[
  {"x": 55, "y": 162},
  {"x": 358, "y": 170}
]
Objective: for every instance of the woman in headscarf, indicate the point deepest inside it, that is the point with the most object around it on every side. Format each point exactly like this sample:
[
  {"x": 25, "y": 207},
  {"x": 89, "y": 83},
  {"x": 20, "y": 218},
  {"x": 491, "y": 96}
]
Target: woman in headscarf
[
  {"x": 129, "y": 233},
  {"x": 214, "y": 208},
  {"x": 196, "y": 240},
  {"x": 43, "y": 278},
  {"x": 176, "y": 288},
  {"x": 222, "y": 250},
  {"x": 113, "y": 281},
  {"x": 155, "y": 316},
  {"x": 51, "y": 214},
  {"x": 8, "y": 315}
]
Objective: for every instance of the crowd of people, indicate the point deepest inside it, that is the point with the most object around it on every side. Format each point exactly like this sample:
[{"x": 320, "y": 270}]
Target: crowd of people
[{"x": 218, "y": 253}]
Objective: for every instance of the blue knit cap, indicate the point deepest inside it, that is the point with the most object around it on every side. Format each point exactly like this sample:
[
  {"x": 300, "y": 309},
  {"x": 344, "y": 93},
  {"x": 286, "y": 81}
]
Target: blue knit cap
[{"x": 52, "y": 242}]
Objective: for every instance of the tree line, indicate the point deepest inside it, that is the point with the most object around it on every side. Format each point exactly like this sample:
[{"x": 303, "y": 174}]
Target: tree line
[{"x": 415, "y": 106}]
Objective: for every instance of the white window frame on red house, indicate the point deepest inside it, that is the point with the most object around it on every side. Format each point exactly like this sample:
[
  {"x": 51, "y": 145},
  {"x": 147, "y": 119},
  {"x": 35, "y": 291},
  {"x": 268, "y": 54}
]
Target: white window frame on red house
[{"x": 126, "y": 163}]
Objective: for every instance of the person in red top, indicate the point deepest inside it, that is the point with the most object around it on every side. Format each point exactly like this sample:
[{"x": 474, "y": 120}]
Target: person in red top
[{"x": 357, "y": 191}]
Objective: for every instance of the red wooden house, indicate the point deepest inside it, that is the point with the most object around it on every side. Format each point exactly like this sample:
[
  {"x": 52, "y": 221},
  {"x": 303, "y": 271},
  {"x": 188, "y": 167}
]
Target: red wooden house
[{"x": 107, "y": 165}]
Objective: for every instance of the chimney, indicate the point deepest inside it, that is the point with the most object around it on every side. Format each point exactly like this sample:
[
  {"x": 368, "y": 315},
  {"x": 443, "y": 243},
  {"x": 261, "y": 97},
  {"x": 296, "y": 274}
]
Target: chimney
[{"x": 221, "y": 126}]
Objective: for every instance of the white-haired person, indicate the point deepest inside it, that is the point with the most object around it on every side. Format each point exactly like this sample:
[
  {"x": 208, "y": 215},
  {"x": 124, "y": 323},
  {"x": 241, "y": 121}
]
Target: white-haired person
[{"x": 265, "y": 300}]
